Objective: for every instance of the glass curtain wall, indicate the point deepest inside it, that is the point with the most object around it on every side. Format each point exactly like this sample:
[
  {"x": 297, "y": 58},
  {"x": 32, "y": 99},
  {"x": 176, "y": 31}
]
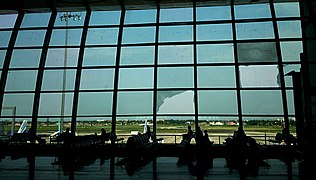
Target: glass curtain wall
[{"x": 213, "y": 66}]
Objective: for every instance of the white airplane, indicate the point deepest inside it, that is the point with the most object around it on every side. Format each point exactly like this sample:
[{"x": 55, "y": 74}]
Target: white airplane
[
  {"x": 23, "y": 126},
  {"x": 145, "y": 125}
]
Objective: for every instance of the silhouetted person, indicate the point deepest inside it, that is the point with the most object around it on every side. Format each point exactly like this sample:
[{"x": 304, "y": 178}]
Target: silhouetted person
[
  {"x": 198, "y": 135},
  {"x": 148, "y": 132},
  {"x": 33, "y": 137},
  {"x": 104, "y": 135},
  {"x": 188, "y": 135}
]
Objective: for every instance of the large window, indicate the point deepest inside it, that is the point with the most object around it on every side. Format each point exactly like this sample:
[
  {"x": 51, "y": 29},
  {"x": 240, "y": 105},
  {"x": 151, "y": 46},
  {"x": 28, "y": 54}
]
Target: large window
[{"x": 220, "y": 65}]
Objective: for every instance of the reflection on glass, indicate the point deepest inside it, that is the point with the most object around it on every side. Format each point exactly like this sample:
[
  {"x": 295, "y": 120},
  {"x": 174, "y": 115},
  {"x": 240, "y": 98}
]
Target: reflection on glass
[
  {"x": 138, "y": 35},
  {"x": 287, "y": 9},
  {"x": 22, "y": 58},
  {"x": 290, "y": 29},
  {"x": 98, "y": 18},
  {"x": 30, "y": 38},
  {"x": 175, "y": 54},
  {"x": 175, "y": 102},
  {"x": 213, "y": 13},
  {"x": 252, "y": 11},
  {"x": 23, "y": 102},
  {"x": 59, "y": 36},
  {"x": 216, "y": 76},
  {"x": 179, "y": 77},
  {"x": 75, "y": 19},
  {"x": 175, "y": 33},
  {"x": 288, "y": 68},
  {"x": 140, "y": 16},
  {"x": 95, "y": 103},
  {"x": 97, "y": 79},
  {"x": 257, "y": 52},
  {"x": 261, "y": 102},
  {"x": 55, "y": 57},
  {"x": 52, "y": 80},
  {"x": 35, "y": 20},
  {"x": 291, "y": 50},
  {"x": 102, "y": 36},
  {"x": 135, "y": 55},
  {"x": 259, "y": 76},
  {"x": 182, "y": 14},
  {"x": 50, "y": 104},
  {"x": 256, "y": 30},
  {"x": 130, "y": 78},
  {"x": 16, "y": 80},
  {"x": 217, "y": 102},
  {"x": 135, "y": 102},
  {"x": 213, "y": 32},
  {"x": 7, "y": 20},
  {"x": 215, "y": 53},
  {"x": 103, "y": 56}
]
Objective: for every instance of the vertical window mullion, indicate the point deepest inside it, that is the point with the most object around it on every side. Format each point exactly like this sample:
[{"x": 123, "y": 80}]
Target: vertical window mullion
[
  {"x": 156, "y": 69},
  {"x": 196, "y": 112}
]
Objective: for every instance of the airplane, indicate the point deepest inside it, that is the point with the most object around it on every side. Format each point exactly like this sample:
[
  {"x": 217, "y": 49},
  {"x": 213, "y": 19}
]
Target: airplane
[
  {"x": 145, "y": 126},
  {"x": 22, "y": 127}
]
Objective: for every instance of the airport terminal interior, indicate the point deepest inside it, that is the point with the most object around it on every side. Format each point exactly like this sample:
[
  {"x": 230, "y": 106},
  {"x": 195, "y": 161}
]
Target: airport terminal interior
[{"x": 107, "y": 89}]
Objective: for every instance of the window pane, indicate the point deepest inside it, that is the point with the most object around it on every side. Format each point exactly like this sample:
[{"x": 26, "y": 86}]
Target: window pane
[
  {"x": 213, "y": 32},
  {"x": 247, "y": 11},
  {"x": 215, "y": 53},
  {"x": 290, "y": 9},
  {"x": 7, "y": 20},
  {"x": 134, "y": 103},
  {"x": 23, "y": 102},
  {"x": 290, "y": 29},
  {"x": 22, "y": 58},
  {"x": 182, "y": 14},
  {"x": 257, "y": 52},
  {"x": 130, "y": 78},
  {"x": 56, "y": 57},
  {"x": 95, "y": 103},
  {"x": 175, "y": 33},
  {"x": 213, "y": 13},
  {"x": 16, "y": 80},
  {"x": 175, "y": 54},
  {"x": 99, "y": 56},
  {"x": 257, "y": 30},
  {"x": 262, "y": 102},
  {"x": 53, "y": 79},
  {"x": 288, "y": 68},
  {"x": 102, "y": 36},
  {"x": 50, "y": 104},
  {"x": 138, "y": 35},
  {"x": 143, "y": 55},
  {"x": 217, "y": 102},
  {"x": 59, "y": 37},
  {"x": 4, "y": 38},
  {"x": 290, "y": 102},
  {"x": 75, "y": 19},
  {"x": 97, "y": 79},
  {"x": 179, "y": 77},
  {"x": 216, "y": 76},
  {"x": 2, "y": 57},
  {"x": 35, "y": 20},
  {"x": 30, "y": 38},
  {"x": 112, "y": 18},
  {"x": 140, "y": 16},
  {"x": 175, "y": 102},
  {"x": 259, "y": 76},
  {"x": 291, "y": 50}
]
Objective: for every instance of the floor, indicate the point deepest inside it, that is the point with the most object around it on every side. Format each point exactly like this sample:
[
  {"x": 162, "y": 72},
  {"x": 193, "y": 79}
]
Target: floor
[{"x": 160, "y": 168}]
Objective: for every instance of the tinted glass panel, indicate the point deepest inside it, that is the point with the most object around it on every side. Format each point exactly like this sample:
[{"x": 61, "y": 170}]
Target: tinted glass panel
[
  {"x": 257, "y": 52},
  {"x": 99, "y": 56},
  {"x": 175, "y": 33},
  {"x": 215, "y": 53},
  {"x": 257, "y": 30},
  {"x": 95, "y": 103},
  {"x": 143, "y": 55},
  {"x": 247, "y": 11},
  {"x": 291, "y": 50},
  {"x": 175, "y": 102},
  {"x": 213, "y": 13},
  {"x": 30, "y": 38},
  {"x": 217, "y": 102},
  {"x": 216, "y": 76},
  {"x": 212, "y": 32},
  {"x": 62, "y": 57},
  {"x": 175, "y": 54},
  {"x": 59, "y": 37},
  {"x": 138, "y": 35},
  {"x": 131, "y": 78},
  {"x": 288, "y": 68},
  {"x": 35, "y": 20},
  {"x": 4, "y": 38},
  {"x": 290, "y": 102},
  {"x": 97, "y": 79},
  {"x": 50, "y": 104},
  {"x": 180, "y": 77},
  {"x": 259, "y": 76},
  {"x": 74, "y": 19},
  {"x": 25, "y": 58},
  {"x": 134, "y": 103},
  {"x": 112, "y": 18},
  {"x": 140, "y": 16},
  {"x": 16, "y": 80},
  {"x": 102, "y": 36},
  {"x": 7, "y": 21},
  {"x": 2, "y": 56},
  {"x": 54, "y": 79},
  {"x": 290, "y": 9},
  {"x": 183, "y": 14},
  {"x": 23, "y": 102},
  {"x": 290, "y": 29}
]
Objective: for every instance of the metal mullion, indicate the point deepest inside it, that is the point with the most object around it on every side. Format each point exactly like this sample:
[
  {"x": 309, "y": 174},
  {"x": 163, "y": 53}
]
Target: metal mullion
[
  {"x": 79, "y": 70},
  {"x": 239, "y": 105},
  {"x": 40, "y": 73},
  {"x": 155, "y": 93},
  {"x": 280, "y": 64},
  {"x": 117, "y": 67},
  {"x": 196, "y": 108},
  {"x": 7, "y": 59}
]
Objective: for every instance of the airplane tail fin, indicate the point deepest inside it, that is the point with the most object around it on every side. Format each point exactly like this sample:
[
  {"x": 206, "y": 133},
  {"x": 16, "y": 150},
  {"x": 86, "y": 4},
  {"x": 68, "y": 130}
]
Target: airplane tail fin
[{"x": 23, "y": 126}]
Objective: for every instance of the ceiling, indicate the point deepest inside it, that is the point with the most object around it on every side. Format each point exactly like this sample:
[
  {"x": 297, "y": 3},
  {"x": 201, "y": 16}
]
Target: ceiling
[{"x": 12, "y": 6}]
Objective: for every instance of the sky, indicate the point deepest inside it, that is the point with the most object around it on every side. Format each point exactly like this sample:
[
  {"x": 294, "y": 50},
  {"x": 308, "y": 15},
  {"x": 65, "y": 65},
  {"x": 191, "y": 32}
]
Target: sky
[{"x": 176, "y": 102}]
